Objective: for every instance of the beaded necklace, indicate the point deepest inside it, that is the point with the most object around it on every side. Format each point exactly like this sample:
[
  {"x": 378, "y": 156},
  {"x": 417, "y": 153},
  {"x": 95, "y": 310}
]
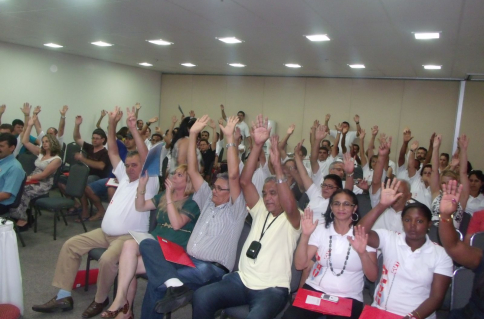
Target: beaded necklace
[{"x": 346, "y": 260}]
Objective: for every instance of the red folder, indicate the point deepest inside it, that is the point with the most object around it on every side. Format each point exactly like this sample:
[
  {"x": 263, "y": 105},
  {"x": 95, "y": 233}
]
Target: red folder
[
  {"x": 341, "y": 308},
  {"x": 175, "y": 253},
  {"x": 375, "y": 313},
  {"x": 32, "y": 181}
]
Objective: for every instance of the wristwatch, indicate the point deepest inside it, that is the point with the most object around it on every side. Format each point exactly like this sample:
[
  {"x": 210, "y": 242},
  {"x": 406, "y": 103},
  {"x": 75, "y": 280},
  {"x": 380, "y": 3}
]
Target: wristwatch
[
  {"x": 229, "y": 145},
  {"x": 281, "y": 181}
]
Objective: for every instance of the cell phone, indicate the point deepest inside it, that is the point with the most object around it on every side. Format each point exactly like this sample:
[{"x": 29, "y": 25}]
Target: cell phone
[
  {"x": 253, "y": 250},
  {"x": 330, "y": 298},
  {"x": 181, "y": 111}
]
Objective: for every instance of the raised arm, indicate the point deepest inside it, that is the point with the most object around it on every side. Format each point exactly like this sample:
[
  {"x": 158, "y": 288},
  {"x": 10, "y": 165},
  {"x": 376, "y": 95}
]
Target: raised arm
[
  {"x": 363, "y": 158},
  {"x": 140, "y": 203},
  {"x": 407, "y": 136},
  {"x": 3, "y": 107},
  {"x": 326, "y": 121},
  {"x": 197, "y": 127},
  {"x": 306, "y": 180},
  {"x": 211, "y": 124},
  {"x": 411, "y": 159},
  {"x": 103, "y": 114},
  {"x": 62, "y": 121},
  {"x": 334, "y": 149},
  {"x": 221, "y": 122},
  {"x": 371, "y": 144},
  {"x": 169, "y": 136},
  {"x": 222, "y": 109},
  {"x": 435, "y": 176},
  {"x": 283, "y": 144},
  {"x": 304, "y": 253},
  {"x": 460, "y": 252},
  {"x": 343, "y": 140},
  {"x": 349, "y": 167},
  {"x": 113, "y": 151},
  {"x": 357, "y": 122},
  {"x": 430, "y": 151},
  {"x": 383, "y": 152},
  {"x": 463, "y": 143},
  {"x": 138, "y": 139},
  {"x": 137, "y": 108},
  {"x": 26, "y": 140},
  {"x": 38, "y": 127},
  {"x": 319, "y": 135},
  {"x": 77, "y": 134},
  {"x": 232, "y": 157},
  {"x": 286, "y": 198},
  {"x": 147, "y": 124},
  {"x": 368, "y": 260},
  {"x": 261, "y": 134}
]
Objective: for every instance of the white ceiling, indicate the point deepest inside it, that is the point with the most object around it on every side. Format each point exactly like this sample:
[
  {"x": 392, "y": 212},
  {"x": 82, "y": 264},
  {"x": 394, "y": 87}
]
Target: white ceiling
[{"x": 377, "y": 33}]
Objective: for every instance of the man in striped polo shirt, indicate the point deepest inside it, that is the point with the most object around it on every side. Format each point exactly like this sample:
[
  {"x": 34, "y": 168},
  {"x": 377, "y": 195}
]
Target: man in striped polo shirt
[{"x": 213, "y": 243}]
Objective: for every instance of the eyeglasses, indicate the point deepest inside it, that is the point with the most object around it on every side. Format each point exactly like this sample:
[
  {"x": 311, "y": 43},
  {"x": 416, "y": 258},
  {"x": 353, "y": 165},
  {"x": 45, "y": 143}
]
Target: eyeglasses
[
  {"x": 218, "y": 188},
  {"x": 328, "y": 186},
  {"x": 344, "y": 204}
]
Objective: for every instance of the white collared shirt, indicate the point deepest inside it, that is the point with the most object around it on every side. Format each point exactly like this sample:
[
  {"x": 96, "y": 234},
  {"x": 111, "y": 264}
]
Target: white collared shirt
[
  {"x": 475, "y": 204},
  {"x": 317, "y": 202}
]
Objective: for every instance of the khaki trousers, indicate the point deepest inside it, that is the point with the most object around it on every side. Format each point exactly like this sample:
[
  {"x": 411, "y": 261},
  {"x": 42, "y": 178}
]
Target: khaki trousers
[{"x": 71, "y": 254}]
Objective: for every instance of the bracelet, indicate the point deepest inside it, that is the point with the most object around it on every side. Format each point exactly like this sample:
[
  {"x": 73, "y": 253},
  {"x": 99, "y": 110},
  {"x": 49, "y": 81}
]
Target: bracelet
[
  {"x": 412, "y": 151},
  {"x": 357, "y": 123},
  {"x": 349, "y": 175},
  {"x": 142, "y": 192},
  {"x": 445, "y": 220},
  {"x": 229, "y": 145},
  {"x": 417, "y": 314},
  {"x": 168, "y": 203},
  {"x": 63, "y": 117},
  {"x": 148, "y": 123}
]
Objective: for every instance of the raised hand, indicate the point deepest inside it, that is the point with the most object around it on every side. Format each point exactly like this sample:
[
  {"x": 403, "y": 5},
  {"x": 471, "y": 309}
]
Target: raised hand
[
  {"x": 221, "y": 121},
  {"x": 450, "y": 198},
  {"x": 463, "y": 142},
  {"x": 327, "y": 117},
  {"x": 26, "y": 109},
  {"x": 103, "y": 113},
  {"x": 211, "y": 124},
  {"x": 414, "y": 146},
  {"x": 455, "y": 159},
  {"x": 131, "y": 119},
  {"x": 261, "y": 130},
  {"x": 385, "y": 146},
  {"x": 349, "y": 163},
  {"x": 3, "y": 107},
  {"x": 158, "y": 130},
  {"x": 315, "y": 124},
  {"x": 290, "y": 129},
  {"x": 362, "y": 134},
  {"x": 360, "y": 241},
  {"x": 222, "y": 107},
  {"x": 437, "y": 141},
  {"x": 389, "y": 193},
  {"x": 131, "y": 112},
  {"x": 169, "y": 187},
  {"x": 374, "y": 130},
  {"x": 37, "y": 110},
  {"x": 356, "y": 118},
  {"x": 307, "y": 224},
  {"x": 297, "y": 149},
  {"x": 137, "y": 105},
  {"x": 407, "y": 135},
  {"x": 192, "y": 113},
  {"x": 78, "y": 120},
  {"x": 320, "y": 133},
  {"x": 363, "y": 184},
  {"x": 432, "y": 137},
  {"x": 114, "y": 115},
  {"x": 174, "y": 119},
  {"x": 143, "y": 179},
  {"x": 339, "y": 127},
  {"x": 63, "y": 110},
  {"x": 153, "y": 120},
  {"x": 229, "y": 128},
  {"x": 32, "y": 120},
  {"x": 274, "y": 152},
  {"x": 199, "y": 125}
]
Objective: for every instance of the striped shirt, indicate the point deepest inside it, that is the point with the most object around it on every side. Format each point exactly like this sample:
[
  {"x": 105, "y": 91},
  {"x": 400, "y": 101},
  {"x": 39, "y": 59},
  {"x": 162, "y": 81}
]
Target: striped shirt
[{"x": 218, "y": 229}]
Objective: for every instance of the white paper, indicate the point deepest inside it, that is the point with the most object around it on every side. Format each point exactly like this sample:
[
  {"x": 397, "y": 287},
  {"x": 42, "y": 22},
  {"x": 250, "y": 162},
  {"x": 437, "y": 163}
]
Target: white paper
[
  {"x": 139, "y": 237},
  {"x": 311, "y": 300}
]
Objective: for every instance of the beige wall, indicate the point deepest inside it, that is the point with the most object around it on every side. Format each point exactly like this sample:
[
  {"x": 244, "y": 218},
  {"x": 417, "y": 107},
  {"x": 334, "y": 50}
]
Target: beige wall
[
  {"x": 423, "y": 106},
  {"x": 472, "y": 122}
]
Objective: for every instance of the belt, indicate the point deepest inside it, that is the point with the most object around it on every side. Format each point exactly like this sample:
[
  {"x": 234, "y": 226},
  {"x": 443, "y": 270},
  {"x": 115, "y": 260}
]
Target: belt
[{"x": 216, "y": 264}]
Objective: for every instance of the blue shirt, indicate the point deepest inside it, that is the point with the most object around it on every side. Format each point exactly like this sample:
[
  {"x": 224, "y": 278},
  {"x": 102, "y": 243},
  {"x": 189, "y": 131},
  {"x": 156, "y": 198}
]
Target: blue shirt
[
  {"x": 32, "y": 140},
  {"x": 11, "y": 178}
]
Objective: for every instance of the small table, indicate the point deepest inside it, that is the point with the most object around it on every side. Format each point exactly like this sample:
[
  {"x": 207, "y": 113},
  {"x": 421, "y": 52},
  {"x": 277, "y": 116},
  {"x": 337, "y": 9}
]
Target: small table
[{"x": 11, "y": 291}]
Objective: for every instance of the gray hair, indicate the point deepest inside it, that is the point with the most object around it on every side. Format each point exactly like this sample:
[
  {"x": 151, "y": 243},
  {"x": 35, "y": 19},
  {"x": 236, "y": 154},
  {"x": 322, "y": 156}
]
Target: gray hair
[
  {"x": 270, "y": 179},
  {"x": 407, "y": 183},
  {"x": 224, "y": 176},
  {"x": 132, "y": 153}
]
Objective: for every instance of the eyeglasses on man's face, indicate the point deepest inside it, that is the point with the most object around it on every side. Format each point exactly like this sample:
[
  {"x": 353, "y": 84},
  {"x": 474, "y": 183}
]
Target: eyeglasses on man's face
[
  {"x": 218, "y": 188},
  {"x": 328, "y": 186}
]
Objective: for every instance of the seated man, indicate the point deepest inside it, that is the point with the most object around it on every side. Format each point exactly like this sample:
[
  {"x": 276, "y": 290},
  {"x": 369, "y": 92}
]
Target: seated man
[
  {"x": 213, "y": 243},
  {"x": 263, "y": 279},
  {"x": 121, "y": 217},
  {"x": 11, "y": 172},
  {"x": 6, "y": 128},
  {"x": 58, "y": 133}
]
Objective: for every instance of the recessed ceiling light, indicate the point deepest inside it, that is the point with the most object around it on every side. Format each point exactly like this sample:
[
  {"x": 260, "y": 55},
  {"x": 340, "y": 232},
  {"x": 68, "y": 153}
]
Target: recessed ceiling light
[
  {"x": 145, "y": 64},
  {"x": 102, "y": 44},
  {"x": 160, "y": 42},
  {"x": 189, "y": 65},
  {"x": 426, "y": 35},
  {"x": 292, "y": 65},
  {"x": 356, "y": 66},
  {"x": 432, "y": 67},
  {"x": 317, "y": 37},
  {"x": 237, "y": 65},
  {"x": 53, "y": 45},
  {"x": 230, "y": 40}
]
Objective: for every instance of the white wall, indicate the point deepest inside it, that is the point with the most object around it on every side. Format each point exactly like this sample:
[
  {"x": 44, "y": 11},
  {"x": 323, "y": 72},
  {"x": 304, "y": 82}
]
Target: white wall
[{"x": 53, "y": 79}]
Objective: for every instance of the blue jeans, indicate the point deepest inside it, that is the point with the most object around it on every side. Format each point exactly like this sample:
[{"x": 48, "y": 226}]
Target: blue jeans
[
  {"x": 99, "y": 187},
  {"x": 231, "y": 292},
  {"x": 160, "y": 270}
]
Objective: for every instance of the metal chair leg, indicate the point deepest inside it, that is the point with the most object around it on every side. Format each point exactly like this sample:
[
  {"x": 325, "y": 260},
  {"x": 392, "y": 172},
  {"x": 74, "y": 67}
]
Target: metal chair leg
[
  {"x": 55, "y": 223},
  {"x": 82, "y": 222},
  {"x": 15, "y": 227},
  {"x": 36, "y": 209},
  {"x": 63, "y": 216}
]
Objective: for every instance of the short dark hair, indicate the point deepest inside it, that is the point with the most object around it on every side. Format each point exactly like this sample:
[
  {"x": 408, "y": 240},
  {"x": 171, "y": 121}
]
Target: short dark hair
[
  {"x": 206, "y": 132},
  {"x": 358, "y": 146},
  {"x": 138, "y": 121},
  {"x": 425, "y": 166},
  {"x": 335, "y": 178},
  {"x": 55, "y": 130},
  {"x": 6, "y": 126},
  {"x": 425, "y": 210},
  {"x": 101, "y": 133},
  {"x": 324, "y": 148},
  {"x": 204, "y": 140},
  {"x": 17, "y": 122},
  {"x": 243, "y": 113},
  {"x": 329, "y": 217},
  {"x": 346, "y": 123},
  {"x": 446, "y": 155},
  {"x": 422, "y": 148},
  {"x": 9, "y": 138},
  {"x": 304, "y": 151},
  {"x": 157, "y": 134}
]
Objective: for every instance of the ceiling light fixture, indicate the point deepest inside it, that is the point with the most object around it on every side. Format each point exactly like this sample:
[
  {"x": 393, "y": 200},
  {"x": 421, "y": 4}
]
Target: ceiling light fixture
[
  {"x": 160, "y": 42},
  {"x": 237, "y": 65},
  {"x": 432, "y": 67},
  {"x": 102, "y": 44},
  {"x": 230, "y": 40},
  {"x": 53, "y": 45},
  {"x": 188, "y": 65},
  {"x": 356, "y": 66},
  {"x": 292, "y": 65},
  {"x": 426, "y": 35},
  {"x": 145, "y": 64},
  {"x": 317, "y": 37}
]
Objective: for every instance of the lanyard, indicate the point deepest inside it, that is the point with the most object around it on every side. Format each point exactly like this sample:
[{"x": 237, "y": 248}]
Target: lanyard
[{"x": 264, "y": 231}]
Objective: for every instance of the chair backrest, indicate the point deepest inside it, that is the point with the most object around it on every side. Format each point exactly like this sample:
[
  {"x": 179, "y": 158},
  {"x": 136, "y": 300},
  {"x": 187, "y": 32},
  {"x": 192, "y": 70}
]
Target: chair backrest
[
  {"x": 434, "y": 234},
  {"x": 77, "y": 180},
  {"x": 71, "y": 150},
  {"x": 27, "y": 160},
  {"x": 477, "y": 240},
  {"x": 153, "y": 221},
  {"x": 466, "y": 219},
  {"x": 221, "y": 155},
  {"x": 63, "y": 152},
  {"x": 462, "y": 283},
  {"x": 18, "y": 197},
  {"x": 240, "y": 244}
]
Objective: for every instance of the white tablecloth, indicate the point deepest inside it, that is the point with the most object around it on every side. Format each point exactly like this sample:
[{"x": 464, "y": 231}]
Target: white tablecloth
[{"x": 10, "y": 276}]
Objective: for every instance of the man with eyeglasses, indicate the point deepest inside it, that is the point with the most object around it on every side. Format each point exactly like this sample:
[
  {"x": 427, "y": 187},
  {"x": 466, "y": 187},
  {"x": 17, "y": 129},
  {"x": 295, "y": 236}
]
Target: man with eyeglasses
[{"x": 213, "y": 242}]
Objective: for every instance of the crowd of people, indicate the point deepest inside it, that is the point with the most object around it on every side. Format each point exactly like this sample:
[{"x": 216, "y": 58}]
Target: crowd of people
[{"x": 305, "y": 210}]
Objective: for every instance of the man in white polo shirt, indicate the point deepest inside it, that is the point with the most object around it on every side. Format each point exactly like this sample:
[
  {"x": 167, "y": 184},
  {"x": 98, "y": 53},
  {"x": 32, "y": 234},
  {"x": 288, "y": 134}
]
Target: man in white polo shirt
[
  {"x": 121, "y": 216},
  {"x": 264, "y": 275},
  {"x": 244, "y": 128},
  {"x": 347, "y": 135}
]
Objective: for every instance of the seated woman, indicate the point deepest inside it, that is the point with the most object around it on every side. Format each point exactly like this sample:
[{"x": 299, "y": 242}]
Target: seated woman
[
  {"x": 46, "y": 164},
  {"x": 476, "y": 196},
  {"x": 416, "y": 272},
  {"x": 176, "y": 216},
  {"x": 342, "y": 260}
]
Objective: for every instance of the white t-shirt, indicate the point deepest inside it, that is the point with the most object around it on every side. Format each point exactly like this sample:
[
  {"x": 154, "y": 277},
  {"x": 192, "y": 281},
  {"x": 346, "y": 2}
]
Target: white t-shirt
[
  {"x": 419, "y": 191},
  {"x": 259, "y": 177},
  {"x": 318, "y": 204},
  {"x": 389, "y": 219},
  {"x": 244, "y": 129},
  {"x": 475, "y": 204},
  {"x": 322, "y": 171},
  {"x": 407, "y": 276},
  {"x": 121, "y": 215},
  {"x": 218, "y": 148},
  {"x": 350, "y": 138},
  {"x": 350, "y": 283}
]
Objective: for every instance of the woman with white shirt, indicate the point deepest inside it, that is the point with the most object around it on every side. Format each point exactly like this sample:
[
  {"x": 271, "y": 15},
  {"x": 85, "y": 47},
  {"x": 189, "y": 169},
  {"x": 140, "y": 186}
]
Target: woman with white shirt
[
  {"x": 416, "y": 272},
  {"x": 342, "y": 259},
  {"x": 476, "y": 198}
]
